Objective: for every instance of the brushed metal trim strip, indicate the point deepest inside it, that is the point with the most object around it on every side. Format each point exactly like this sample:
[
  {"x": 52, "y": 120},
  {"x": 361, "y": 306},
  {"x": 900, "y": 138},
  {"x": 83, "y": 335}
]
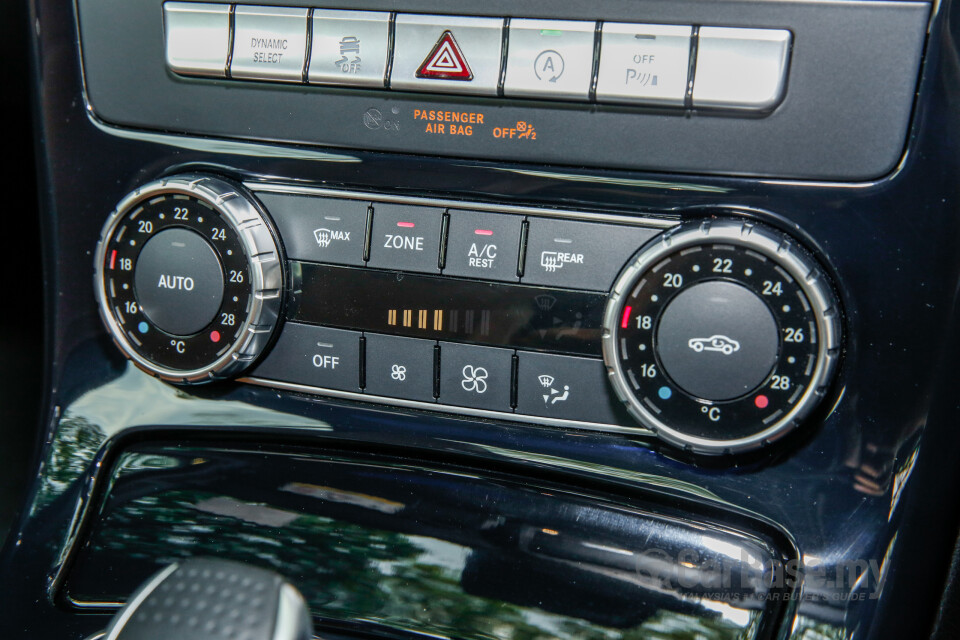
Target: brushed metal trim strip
[
  {"x": 661, "y": 222},
  {"x": 446, "y": 409}
]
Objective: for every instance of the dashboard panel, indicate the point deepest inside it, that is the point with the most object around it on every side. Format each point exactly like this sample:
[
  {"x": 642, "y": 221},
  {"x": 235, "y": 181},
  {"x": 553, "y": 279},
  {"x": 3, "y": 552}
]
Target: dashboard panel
[{"x": 561, "y": 376}]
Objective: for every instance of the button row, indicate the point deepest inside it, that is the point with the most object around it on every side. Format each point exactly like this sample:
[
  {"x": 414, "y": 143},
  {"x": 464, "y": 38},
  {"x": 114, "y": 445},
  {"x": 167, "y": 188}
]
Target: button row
[
  {"x": 460, "y": 375},
  {"x": 638, "y": 63},
  {"x": 472, "y": 244}
]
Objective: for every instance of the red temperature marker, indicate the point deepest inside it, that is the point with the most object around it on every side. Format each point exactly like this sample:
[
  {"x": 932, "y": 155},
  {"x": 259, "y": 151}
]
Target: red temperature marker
[{"x": 626, "y": 316}]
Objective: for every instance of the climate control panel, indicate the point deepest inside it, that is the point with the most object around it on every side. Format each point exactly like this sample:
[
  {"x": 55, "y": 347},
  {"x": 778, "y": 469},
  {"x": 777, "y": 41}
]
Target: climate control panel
[{"x": 717, "y": 336}]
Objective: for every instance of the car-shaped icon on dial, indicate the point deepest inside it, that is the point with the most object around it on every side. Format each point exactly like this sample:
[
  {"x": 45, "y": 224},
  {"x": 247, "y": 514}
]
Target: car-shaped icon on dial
[{"x": 720, "y": 343}]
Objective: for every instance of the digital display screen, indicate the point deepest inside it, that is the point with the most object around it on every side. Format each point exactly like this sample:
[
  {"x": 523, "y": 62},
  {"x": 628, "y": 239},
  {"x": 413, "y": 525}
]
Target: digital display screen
[{"x": 443, "y": 308}]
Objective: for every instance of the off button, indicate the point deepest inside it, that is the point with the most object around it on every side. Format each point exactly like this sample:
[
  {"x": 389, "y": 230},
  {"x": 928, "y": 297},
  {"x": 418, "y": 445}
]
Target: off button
[{"x": 179, "y": 281}]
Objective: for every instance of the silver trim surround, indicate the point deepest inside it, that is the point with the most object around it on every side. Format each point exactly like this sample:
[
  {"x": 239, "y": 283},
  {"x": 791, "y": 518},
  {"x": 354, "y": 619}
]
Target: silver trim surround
[
  {"x": 448, "y": 409},
  {"x": 782, "y": 251},
  {"x": 293, "y": 615},
  {"x": 664, "y": 222},
  {"x": 265, "y": 266}
]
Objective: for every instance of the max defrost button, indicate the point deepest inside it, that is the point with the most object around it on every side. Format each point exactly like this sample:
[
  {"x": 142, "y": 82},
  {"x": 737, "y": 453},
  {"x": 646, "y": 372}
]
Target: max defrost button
[
  {"x": 450, "y": 54},
  {"x": 314, "y": 356},
  {"x": 349, "y": 47},
  {"x": 406, "y": 237},
  {"x": 477, "y": 377},
  {"x": 483, "y": 245},
  {"x": 644, "y": 63},
  {"x": 564, "y": 387},
  {"x": 319, "y": 229},
  {"x": 580, "y": 255},
  {"x": 269, "y": 43},
  {"x": 198, "y": 37},
  {"x": 549, "y": 58},
  {"x": 400, "y": 367},
  {"x": 179, "y": 281}
]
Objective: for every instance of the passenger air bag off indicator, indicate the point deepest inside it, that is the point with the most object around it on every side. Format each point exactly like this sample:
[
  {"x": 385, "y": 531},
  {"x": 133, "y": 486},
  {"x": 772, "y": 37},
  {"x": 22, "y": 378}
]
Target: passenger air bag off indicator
[
  {"x": 454, "y": 123},
  {"x": 521, "y": 131}
]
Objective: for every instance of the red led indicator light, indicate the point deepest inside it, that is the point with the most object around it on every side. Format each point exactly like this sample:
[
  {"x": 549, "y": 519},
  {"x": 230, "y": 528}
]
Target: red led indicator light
[
  {"x": 113, "y": 258},
  {"x": 626, "y": 317},
  {"x": 761, "y": 401},
  {"x": 483, "y": 232},
  {"x": 214, "y": 336},
  {"x": 406, "y": 225}
]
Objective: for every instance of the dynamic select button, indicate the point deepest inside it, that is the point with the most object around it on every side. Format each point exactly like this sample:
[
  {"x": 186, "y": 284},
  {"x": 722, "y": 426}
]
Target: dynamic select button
[
  {"x": 269, "y": 43},
  {"x": 179, "y": 281}
]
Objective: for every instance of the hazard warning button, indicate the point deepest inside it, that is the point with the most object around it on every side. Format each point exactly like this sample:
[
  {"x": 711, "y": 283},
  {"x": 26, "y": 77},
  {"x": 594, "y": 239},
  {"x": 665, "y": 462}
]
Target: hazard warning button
[
  {"x": 446, "y": 61},
  {"x": 447, "y": 54}
]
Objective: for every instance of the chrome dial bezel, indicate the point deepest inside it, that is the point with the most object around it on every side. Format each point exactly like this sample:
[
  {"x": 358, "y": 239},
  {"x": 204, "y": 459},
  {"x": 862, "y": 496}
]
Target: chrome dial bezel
[
  {"x": 265, "y": 269},
  {"x": 786, "y": 253}
]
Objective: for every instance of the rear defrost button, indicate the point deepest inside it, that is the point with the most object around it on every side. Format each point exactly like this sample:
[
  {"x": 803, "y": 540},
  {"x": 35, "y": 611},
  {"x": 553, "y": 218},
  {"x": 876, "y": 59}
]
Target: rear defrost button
[{"x": 579, "y": 255}]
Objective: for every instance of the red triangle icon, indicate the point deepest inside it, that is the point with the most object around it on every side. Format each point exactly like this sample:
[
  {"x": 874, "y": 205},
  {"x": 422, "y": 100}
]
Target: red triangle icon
[{"x": 445, "y": 61}]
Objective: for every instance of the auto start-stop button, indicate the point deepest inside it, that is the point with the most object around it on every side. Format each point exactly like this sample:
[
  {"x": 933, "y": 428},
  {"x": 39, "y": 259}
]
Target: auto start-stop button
[
  {"x": 717, "y": 340},
  {"x": 179, "y": 281}
]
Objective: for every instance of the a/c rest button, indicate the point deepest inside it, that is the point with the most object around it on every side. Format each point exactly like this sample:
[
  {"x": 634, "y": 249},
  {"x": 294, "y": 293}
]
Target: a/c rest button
[{"x": 179, "y": 281}]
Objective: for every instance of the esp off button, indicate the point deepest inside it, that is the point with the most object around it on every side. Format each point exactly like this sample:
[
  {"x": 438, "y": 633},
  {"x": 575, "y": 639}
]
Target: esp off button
[{"x": 179, "y": 281}]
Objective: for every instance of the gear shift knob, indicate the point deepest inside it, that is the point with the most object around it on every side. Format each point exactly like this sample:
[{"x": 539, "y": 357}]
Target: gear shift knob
[{"x": 206, "y": 599}]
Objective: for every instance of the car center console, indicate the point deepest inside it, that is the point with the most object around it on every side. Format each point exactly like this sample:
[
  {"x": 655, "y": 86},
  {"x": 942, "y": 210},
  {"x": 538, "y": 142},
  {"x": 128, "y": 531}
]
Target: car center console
[{"x": 515, "y": 320}]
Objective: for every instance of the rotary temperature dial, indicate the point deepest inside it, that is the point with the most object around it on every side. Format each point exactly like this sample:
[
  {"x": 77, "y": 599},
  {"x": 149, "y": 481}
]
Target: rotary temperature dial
[
  {"x": 721, "y": 336},
  {"x": 189, "y": 277}
]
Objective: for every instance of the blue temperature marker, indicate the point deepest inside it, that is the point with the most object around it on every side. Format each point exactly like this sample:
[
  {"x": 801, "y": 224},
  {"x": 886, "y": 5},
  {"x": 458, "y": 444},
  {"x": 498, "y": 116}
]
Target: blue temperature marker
[
  {"x": 665, "y": 393},
  {"x": 143, "y": 327}
]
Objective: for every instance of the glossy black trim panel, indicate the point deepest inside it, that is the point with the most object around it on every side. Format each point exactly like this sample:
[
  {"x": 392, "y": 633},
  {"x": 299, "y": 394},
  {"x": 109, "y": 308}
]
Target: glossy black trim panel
[
  {"x": 432, "y": 549},
  {"x": 853, "y": 74}
]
